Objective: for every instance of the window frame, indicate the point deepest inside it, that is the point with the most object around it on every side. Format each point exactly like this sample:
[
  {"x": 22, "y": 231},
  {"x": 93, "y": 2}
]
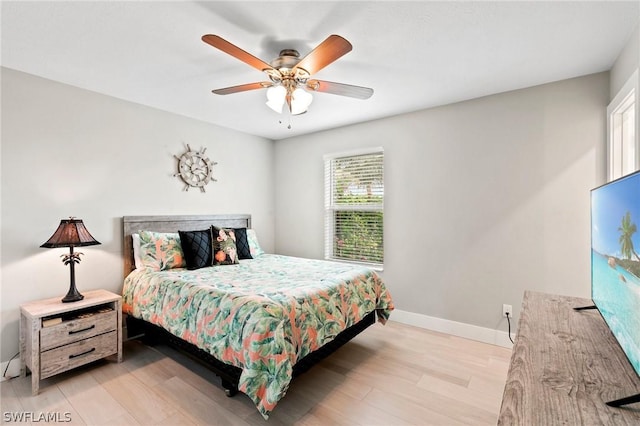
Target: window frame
[
  {"x": 330, "y": 208},
  {"x": 627, "y": 97}
]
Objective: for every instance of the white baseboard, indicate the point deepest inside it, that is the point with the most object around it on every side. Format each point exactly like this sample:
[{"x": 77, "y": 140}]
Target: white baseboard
[
  {"x": 14, "y": 368},
  {"x": 460, "y": 329}
]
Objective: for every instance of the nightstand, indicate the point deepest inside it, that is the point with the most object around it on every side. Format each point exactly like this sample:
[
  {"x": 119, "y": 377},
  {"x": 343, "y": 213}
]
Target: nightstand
[{"x": 56, "y": 337}]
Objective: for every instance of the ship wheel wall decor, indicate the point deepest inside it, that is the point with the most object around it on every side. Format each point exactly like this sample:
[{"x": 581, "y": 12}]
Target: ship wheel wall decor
[{"x": 195, "y": 169}]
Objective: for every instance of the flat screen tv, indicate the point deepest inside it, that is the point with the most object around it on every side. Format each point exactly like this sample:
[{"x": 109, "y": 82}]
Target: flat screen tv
[{"x": 615, "y": 264}]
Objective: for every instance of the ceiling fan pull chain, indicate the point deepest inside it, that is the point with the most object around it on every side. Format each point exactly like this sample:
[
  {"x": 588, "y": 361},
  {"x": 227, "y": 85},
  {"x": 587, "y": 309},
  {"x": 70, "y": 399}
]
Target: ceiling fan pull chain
[{"x": 289, "y": 121}]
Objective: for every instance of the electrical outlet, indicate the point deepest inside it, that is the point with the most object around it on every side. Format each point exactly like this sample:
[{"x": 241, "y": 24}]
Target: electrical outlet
[{"x": 507, "y": 309}]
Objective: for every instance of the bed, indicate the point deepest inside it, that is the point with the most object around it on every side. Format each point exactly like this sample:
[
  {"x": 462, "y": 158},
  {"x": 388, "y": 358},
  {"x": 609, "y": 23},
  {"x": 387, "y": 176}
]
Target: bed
[{"x": 257, "y": 324}]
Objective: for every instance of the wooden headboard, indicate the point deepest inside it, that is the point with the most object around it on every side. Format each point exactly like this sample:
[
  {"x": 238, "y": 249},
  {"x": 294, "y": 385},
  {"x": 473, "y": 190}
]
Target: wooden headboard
[{"x": 133, "y": 224}]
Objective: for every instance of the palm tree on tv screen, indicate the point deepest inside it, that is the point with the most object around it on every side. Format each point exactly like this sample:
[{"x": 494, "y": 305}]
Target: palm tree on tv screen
[{"x": 627, "y": 229}]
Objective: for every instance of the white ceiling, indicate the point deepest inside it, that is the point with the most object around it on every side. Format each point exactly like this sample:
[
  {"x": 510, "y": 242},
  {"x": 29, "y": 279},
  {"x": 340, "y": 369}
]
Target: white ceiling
[{"x": 415, "y": 55}]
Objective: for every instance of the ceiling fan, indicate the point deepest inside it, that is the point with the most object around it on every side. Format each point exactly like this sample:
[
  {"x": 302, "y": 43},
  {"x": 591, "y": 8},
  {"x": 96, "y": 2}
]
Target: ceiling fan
[{"x": 290, "y": 76}]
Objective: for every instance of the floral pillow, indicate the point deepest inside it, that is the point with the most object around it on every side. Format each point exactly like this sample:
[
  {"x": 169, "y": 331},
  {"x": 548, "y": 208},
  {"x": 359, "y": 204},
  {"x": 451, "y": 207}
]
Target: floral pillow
[
  {"x": 160, "y": 251},
  {"x": 223, "y": 242}
]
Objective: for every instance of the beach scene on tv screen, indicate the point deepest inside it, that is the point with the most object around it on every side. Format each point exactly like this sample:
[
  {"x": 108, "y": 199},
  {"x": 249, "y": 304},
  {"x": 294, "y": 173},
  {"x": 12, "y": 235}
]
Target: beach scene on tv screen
[{"x": 615, "y": 261}]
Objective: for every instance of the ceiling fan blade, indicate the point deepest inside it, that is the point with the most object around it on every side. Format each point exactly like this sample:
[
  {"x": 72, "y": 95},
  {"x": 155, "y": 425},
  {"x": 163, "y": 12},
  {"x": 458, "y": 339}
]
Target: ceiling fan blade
[
  {"x": 341, "y": 89},
  {"x": 325, "y": 53},
  {"x": 243, "y": 88},
  {"x": 233, "y": 50}
]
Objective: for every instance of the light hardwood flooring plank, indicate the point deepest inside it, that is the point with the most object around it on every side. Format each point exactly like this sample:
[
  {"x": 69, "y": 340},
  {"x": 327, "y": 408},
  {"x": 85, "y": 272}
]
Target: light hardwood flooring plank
[
  {"x": 176, "y": 419},
  {"x": 481, "y": 400},
  {"x": 92, "y": 401},
  {"x": 321, "y": 415},
  {"x": 49, "y": 400},
  {"x": 203, "y": 379},
  {"x": 196, "y": 405},
  {"x": 10, "y": 403},
  {"x": 388, "y": 375},
  {"x": 411, "y": 411},
  {"x": 144, "y": 404},
  {"x": 147, "y": 364},
  {"x": 358, "y": 412}
]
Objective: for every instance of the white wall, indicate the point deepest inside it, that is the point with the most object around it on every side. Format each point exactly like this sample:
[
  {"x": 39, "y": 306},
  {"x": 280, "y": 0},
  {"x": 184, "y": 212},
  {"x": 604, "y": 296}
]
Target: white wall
[
  {"x": 68, "y": 151},
  {"x": 484, "y": 199},
  {"x": 627, "y": 62}
]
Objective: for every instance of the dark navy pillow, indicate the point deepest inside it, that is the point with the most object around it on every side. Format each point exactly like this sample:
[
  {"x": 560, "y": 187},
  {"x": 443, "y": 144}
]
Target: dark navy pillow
[
  {"x": 242, "y": 243},
  {"x": 196, "y": 246}
]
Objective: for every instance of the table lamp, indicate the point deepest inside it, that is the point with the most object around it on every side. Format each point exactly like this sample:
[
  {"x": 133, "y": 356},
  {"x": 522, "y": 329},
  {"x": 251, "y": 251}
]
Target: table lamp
[{"x": 71, "y": 233}]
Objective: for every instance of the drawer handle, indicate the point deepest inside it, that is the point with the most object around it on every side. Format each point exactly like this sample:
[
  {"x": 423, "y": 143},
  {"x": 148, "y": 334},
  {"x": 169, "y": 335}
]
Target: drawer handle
[
  {"x": 82, "y": 353},
  {"x": 80, "y": 331}
]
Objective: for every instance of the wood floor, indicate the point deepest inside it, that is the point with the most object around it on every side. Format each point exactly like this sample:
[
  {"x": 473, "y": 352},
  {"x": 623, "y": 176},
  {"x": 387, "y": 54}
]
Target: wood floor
[{"x": 388, "y": 375}]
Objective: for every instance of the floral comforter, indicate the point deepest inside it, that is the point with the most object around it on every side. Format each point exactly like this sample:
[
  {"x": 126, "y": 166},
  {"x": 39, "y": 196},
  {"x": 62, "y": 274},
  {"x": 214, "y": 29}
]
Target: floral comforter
[{"x": 261, "y": 315}]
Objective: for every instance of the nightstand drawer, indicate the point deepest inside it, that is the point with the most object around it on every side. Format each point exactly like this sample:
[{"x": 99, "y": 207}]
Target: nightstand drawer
[
  {"x": 77, "y": 329},
  {"x": 64, "y": 358}
]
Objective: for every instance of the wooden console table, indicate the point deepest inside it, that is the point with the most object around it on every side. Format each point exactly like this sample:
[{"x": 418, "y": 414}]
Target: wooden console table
[{"x": 565, "y": 366}]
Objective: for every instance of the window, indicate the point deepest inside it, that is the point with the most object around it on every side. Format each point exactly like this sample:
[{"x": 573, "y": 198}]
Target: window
[
  {"x": 622, "y": 138},
  {"x": 354, "y": 200}
]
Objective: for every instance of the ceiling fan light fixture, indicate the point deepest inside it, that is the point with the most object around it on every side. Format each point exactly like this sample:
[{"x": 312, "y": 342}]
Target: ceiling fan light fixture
[
  {"x": 275, "y": 98},
  {"x": 300, "y": 101},
  {"x": 289, "y": 75}
]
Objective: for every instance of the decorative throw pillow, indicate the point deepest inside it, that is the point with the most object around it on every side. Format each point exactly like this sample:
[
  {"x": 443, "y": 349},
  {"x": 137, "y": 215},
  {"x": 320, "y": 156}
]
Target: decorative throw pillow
[
  {"x": 254, "y": 246},
  {"x": 160, "y": 250},
  {"x": 196, "y": 246},
  {"x": 135, "y": 238},
  {"x": 242, "y": 244},
  {"x": 223, "y": 242}
]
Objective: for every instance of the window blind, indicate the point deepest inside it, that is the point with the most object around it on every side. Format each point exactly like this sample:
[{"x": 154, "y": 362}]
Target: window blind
[{"x": 354, "y": 206}]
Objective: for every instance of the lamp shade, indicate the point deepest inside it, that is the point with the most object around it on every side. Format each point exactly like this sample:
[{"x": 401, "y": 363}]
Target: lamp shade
[
  {"x": 70, "y": 233},
  {"x": 275, "y": 98},
  {"x": 301, "y": 101}
]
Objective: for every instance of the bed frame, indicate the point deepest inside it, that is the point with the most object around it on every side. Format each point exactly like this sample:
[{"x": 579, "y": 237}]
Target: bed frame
[{"x": 151, "y": 334}]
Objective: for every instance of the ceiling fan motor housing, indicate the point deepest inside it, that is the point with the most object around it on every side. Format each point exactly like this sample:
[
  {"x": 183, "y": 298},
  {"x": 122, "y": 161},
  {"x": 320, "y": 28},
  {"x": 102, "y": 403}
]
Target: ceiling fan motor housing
[
  {"x": 288, "y": 59},
  {"x": 284, "y": 71}
]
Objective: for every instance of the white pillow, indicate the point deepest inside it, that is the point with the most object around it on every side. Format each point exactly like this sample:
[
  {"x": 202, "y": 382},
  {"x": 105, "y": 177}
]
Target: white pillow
[
  {"x": 254, "y": 246},
  {"x": 136, "y": 250}
]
